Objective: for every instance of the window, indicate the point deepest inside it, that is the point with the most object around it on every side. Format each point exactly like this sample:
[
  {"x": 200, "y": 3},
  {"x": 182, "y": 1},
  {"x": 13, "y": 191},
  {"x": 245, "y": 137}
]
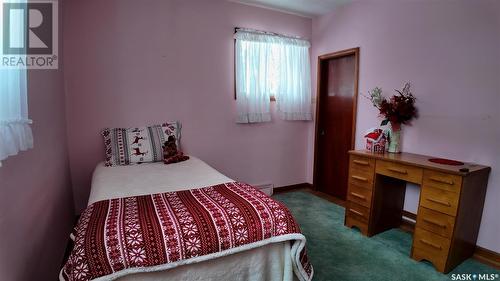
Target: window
[
  {"x": 15, "y": 131},
  {"x": 271, "y": 66}
]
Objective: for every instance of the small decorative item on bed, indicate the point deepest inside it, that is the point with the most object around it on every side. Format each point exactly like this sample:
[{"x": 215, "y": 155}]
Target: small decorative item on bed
[
  {"x": 126, "y": 146},
  {"x": 117, "y": 237},
  {"x": 170, "y": 152}
]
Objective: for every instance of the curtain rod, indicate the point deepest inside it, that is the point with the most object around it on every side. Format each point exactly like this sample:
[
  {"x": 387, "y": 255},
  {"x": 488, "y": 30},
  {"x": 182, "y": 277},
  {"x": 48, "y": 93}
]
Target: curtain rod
[{"x": 268, "y": 33}]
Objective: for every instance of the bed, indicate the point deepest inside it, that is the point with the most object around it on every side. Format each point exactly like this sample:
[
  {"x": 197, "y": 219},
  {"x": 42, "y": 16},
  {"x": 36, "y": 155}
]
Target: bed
[{"x": 269, "y": 259}]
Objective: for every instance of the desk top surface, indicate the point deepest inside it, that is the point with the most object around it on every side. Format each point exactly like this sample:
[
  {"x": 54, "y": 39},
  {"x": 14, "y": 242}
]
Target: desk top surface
[{"x": 421, "y": 161}]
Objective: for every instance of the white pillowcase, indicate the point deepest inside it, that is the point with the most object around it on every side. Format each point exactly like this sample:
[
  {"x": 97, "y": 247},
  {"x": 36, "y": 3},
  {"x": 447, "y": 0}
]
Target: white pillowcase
[{"x": 126, "y": 146}]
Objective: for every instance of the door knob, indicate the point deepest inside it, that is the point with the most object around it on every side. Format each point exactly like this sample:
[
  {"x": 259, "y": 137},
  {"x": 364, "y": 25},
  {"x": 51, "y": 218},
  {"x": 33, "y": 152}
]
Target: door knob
[{"x": 322, "y": 133}]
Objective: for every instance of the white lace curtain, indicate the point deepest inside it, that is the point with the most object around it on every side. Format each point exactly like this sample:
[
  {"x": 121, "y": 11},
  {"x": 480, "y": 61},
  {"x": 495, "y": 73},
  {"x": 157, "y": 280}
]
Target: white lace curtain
[
  {"x": 270, "y": 65},
  {"x": 15, "y": 131}
]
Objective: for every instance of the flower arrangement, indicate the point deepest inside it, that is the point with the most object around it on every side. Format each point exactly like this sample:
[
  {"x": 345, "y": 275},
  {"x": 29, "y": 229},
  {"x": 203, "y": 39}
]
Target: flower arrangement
[{"x": 399, "y": 109}]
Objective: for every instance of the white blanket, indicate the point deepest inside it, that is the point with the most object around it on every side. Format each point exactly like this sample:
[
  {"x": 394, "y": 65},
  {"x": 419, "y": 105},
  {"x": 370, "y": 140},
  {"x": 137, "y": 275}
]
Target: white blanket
[
  {"x": 149, "y": 178},
  {"x": 270, "y": 262}
]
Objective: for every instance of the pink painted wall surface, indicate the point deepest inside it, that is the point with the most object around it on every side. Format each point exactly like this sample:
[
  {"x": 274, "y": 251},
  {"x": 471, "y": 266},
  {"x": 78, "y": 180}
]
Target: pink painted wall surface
[
  {"x": 131, "y": 63},
  {"x": 36, "y": 207},
  {"x": 450, "y": 52}
]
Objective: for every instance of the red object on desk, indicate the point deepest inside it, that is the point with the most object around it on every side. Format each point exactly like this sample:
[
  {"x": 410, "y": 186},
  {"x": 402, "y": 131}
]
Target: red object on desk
[{"x": 446, "y": 161}]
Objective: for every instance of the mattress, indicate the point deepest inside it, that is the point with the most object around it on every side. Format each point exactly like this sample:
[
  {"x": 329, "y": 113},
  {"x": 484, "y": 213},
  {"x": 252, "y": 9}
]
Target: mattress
[{"x": 270, "y": 262}]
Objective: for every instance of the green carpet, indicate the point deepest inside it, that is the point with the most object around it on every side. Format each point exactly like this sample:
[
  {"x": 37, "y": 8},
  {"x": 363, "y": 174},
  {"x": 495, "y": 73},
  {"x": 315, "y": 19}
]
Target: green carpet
[{"x": 339, "y": 253}]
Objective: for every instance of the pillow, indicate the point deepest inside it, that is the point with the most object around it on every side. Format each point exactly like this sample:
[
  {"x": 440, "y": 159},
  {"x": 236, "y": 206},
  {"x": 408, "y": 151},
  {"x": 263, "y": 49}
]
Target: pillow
[
  {"x": 170, "y": 152},
  {"x": 126, "y": 146}
]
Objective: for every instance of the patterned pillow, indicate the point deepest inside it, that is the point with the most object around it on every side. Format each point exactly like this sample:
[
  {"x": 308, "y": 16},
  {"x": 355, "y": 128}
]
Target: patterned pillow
[
  {"x": 170, "y": 152},
  {"x": 126, "y": 146}
]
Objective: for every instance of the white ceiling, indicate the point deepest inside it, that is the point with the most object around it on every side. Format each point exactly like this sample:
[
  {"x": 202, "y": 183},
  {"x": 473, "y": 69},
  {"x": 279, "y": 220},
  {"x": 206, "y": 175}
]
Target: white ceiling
[{"x": 306, "y": 8}]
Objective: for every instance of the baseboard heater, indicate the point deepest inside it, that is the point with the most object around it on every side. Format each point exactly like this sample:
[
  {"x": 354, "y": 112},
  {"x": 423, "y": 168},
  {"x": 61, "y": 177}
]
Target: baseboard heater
[{"x": 267, "y": 188}]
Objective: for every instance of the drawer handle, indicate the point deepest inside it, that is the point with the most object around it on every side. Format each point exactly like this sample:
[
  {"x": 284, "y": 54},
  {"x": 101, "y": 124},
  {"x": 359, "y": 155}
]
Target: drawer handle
[
  {"x": 358, "y": 195},
  {"x": 450, "y": 182},
  {"x": 362, "y": 163},
  {"x": 431, "y": 244},
  {"x": 356, "y": 212},
  {"x": 359, "y": 178},
  {"x": 444, "y": 203},
  {"x": 435, "y": 223},
  {"x": 399, "y": 171}
]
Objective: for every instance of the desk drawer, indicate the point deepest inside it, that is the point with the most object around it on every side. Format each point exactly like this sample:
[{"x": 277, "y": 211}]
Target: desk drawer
[
  {"x": 362, "y": 226},
  {"x": 361, "y": 178},
  {"x": 431, "y": 247},
  {"x": 439, "y": 200},
  {"x": 399, "y": 171},
  {"x": 362, "y": 163},
  {"x": 359, "y": 195},
  {"x": 358, "y": 212},
  {"x": 435, "y": 222},
  {"x": 442, "y": 181}
]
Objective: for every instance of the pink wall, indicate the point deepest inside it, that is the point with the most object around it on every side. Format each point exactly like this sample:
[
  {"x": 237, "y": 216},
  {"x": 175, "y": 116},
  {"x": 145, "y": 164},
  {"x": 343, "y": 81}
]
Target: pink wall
[
  {"x": 450, "y": 51},
  {"x": 36, "y": 207},
  {"x": 131, "y": 63}
]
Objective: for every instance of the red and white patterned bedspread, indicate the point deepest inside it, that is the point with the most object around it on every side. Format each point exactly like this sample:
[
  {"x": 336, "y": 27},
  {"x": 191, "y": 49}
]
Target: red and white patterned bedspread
[{"x": 155, "y": 232}]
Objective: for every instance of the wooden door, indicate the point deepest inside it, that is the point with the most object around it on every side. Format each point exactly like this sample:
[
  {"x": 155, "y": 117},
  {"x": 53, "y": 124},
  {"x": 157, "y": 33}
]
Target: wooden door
[{"x": 335, "y": 120}]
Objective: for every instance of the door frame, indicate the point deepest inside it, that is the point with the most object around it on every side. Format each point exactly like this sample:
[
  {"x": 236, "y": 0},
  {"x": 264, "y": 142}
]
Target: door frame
[{"x": 321, "y": 59}]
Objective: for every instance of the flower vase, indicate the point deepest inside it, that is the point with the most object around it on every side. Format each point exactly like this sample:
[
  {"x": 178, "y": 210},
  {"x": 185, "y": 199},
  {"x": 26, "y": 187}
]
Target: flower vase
[{"x": 395, "y": 138}]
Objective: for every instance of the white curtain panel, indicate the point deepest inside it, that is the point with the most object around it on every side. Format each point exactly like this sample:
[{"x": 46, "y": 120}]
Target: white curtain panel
[
  {"x": 293, "y": 97},
  {"x": 253, "y": 91},
  {"x": 15, "y": 131},
  {"x": 269, "y": 65}
]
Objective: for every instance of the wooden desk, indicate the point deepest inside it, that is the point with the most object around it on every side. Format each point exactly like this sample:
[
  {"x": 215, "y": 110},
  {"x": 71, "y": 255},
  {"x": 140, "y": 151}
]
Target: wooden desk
[{"x": 449, "y": 211}]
